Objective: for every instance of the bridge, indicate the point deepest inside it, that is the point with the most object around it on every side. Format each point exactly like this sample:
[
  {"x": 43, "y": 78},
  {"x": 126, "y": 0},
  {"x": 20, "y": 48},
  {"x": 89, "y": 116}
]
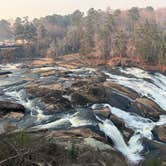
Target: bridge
[{"x": 10, "y": 46}]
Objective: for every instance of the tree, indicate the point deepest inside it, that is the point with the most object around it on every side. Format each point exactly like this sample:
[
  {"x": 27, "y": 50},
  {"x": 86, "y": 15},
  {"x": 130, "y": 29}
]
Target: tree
[
  {"x": 117, "y": 12},
  {"x": 5, "y": 30},
  {"x": 120, "y": 43},
  {"x": 29, "y": 33},
  {"x": 88, "y": 30},
  {"x": 134, "y": 16},
  {"x": 105, "y": 34},
  {"x": 149, "y": 42},
  {"x": 134, "y": 13},
  {"x": 76, "y": 18},
  {"x": 162, "y": 50},
  {"x": 18, "y": 29},
  {"x": 98, "y": 34},
  {"x": 59, "y": 20},
  {"x": 150, "y": 8},
  {"x": 72, "y": 40},
  {"x": 91, "y": 26},
  {"x": 25, "y": 30}
]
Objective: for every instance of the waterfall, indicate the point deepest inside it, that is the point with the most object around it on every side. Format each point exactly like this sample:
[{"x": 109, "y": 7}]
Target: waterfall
[
  {"x": 153, "y": 89},
  {"x": 152, "y": 86},
  {"x": 21, "y": 98},
  {"x": 112, "y": 132},
  {"x": 141, "y": 126}
]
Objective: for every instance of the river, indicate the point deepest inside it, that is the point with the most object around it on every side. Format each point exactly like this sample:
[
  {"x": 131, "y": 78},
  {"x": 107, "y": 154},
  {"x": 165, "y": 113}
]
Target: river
[{"x": 149, "y": 85}]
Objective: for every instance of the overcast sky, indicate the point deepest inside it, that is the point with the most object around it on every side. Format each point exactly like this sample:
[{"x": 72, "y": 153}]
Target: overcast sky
[{"x": 38, "y": 8}]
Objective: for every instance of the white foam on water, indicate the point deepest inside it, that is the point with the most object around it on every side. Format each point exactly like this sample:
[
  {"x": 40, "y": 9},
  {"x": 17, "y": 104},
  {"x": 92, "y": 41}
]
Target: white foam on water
[
  {"x": 112, "y": 131},
  {"x": 155, "y": 90},
  {"x": 77, "y": 121},
  {"x": 20, "y": 96},
  {"x": 10, "y": 66},
  {"x": 134, "y": 121},
  {"x": 143, "y": 87},
  {"x": 84, "y": 69},
  {"x": 157, "y": 78},
  {"x": 160, "y": 80},
  {"x": 50, "y": 68},
  {"x": 141, "y": 126},
  {"x": 82, "y": 72},
  {"x": 53, "y": 124},
  {"x": 67, "y": 97},
  {"x": 7, "y": 82},
  {"x": 137, "y": 72},
  {"x": 162, "y": 121}
]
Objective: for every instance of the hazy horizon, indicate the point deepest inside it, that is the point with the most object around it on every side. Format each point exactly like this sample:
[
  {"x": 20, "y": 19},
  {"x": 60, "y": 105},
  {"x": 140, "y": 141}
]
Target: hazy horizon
[{"x": 39, "y": 8}]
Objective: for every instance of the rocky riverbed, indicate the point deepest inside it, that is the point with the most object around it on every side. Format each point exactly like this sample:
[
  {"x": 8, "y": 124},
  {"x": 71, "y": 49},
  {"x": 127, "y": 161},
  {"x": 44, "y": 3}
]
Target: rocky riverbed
[{"x": 118, "y": 111}]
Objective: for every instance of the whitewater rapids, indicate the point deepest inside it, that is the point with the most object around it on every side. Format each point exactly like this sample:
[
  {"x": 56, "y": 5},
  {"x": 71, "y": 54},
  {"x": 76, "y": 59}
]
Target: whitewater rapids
[
  {"x": 152, "y": 86},
  {"x": 142, "y": 126},
  {"x": 154, "y": 89}
]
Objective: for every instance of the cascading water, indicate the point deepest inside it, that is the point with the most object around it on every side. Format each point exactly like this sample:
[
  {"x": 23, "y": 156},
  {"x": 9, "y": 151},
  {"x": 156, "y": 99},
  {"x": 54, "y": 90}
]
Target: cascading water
[
  {"x": 158, "y": 79},
  {"x": 152, "y": 86},
  {"x": 13, "y": 89},
  {"x": 112, "y": 131},
  {"x": 154, "y": 91},
  {"x": 141, "y": 126},
  {"x": 20, "y": 97},
  {"x": 81, "y": 118}
]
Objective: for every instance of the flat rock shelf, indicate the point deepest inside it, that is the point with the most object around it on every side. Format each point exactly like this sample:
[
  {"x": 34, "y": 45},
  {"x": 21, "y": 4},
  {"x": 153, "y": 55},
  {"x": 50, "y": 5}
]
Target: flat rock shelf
[{"x": 120, "y": 111}]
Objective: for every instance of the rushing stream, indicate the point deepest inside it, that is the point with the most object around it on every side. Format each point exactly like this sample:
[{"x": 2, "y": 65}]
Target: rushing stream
[{"x": 152, "y": 86}]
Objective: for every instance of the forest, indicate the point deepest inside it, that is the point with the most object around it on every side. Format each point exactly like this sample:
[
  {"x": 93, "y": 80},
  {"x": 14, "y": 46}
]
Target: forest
[
  {"x": 137, "y": 33},
  {"x": 83, "y": 89}
]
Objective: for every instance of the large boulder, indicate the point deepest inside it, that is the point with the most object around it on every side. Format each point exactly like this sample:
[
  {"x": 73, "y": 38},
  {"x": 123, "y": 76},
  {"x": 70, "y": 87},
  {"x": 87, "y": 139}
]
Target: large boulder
[
  {"x": 160, "y": 133},
  {"x": 120, "y": 124},
  {"x": 87, "y": 92},
  {"x": 154, "y": 152},
  {"x": 122, "y": 90},
  {"x": 52, "y": 98},
  {"x": 146, "y": 108},
  {"x": 91, "y": 148},
  {"x": 79, "y": 99},
  {"x": 117, "y": 100},
  {"x": 16, "y": 116},
  {"x": 103, "y": 113},
  {"x": 79, "y": 132},
  {"x": 7, "y": 107}
]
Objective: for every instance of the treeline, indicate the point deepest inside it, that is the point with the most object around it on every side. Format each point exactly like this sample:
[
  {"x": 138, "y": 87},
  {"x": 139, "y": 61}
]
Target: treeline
[{"x": 135, "y": 33}]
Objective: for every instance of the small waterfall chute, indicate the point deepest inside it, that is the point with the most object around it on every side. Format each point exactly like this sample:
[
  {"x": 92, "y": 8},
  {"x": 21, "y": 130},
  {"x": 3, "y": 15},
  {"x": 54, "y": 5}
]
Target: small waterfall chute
[{"x": 112, "y": 132}]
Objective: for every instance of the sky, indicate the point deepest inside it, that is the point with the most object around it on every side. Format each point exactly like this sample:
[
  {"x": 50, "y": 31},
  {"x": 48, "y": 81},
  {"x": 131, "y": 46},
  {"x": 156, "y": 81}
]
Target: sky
[{"x": 38, "y": 8}]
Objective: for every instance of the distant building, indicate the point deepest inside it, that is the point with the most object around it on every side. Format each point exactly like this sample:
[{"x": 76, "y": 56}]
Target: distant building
[
  {"x": 21, "y": 42},
  {"x": 9, "y": 42},
  {"x": 12, "y": 42}
]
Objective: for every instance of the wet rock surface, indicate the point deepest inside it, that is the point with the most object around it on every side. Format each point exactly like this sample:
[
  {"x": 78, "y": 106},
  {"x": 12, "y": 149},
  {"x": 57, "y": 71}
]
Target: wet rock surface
[
  {"x": 155, "y": 152},
  {"x": 4, "y": 72},
  {"x": 160, "y": 133},
  {"x": 105, "y": 113},
  {"x": 8, "y": 107},
  {"x": 59, "y": 100},
  {"x": 120, "y": 124},
  {"x": 146, "y": 108},
  {"x": 53, "y": 98}
]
